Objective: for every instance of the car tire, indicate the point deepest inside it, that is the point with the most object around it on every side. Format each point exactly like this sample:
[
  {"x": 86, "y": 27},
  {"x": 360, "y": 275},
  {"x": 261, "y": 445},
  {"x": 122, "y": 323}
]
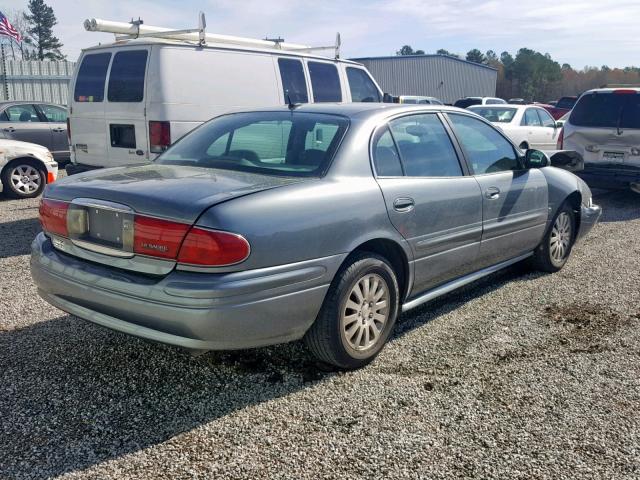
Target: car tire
[
  {"x": 358, "y": 313},
  {"x": 554, "y": 250},
  {"x": 24, "y": 178}
]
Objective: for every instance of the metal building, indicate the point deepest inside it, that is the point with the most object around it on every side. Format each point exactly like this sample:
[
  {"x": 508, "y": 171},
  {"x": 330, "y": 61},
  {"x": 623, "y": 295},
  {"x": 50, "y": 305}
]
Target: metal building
[
  {"x": 35, "y": 80},
  {"x": 447, "y": 78}
]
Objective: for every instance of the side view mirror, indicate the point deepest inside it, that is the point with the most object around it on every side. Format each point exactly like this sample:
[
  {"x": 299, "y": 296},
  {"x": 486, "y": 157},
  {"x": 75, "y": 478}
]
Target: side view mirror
[
  {"x": 559, "y": 123},
  {"x": 536, "y": 159},
  {"x": 388, "y": 98}
]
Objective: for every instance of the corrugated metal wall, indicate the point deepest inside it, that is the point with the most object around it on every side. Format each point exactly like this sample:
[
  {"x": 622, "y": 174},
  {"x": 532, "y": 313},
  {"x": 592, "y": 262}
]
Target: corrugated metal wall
[
  {"x": 438, "y": 76},
  {"x": 35, "y": 80}
]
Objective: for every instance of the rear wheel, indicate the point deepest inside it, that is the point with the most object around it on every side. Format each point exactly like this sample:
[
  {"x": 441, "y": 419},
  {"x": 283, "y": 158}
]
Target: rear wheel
[
  {"x": 556, "y": 246},
  {"x": 24, "y": 178},
  {"x": 358, "y": 313}
]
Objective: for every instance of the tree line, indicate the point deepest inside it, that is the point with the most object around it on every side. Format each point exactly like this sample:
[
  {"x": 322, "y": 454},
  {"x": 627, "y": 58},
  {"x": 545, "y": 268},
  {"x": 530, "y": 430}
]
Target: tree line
[
  {"x": 535, "y": 76},
  {"x": 36, "y": 28}
]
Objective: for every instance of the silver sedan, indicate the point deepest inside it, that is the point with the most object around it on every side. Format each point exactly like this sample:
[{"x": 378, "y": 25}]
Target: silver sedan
[{"x": 320, "y": 222}]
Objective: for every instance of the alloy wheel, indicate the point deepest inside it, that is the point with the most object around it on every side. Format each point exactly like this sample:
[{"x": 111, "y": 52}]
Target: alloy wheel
[
  {"x": 561, "y": 237},
  {"x": 366, "y": 312},
  {"x": 25, "y": 179}
]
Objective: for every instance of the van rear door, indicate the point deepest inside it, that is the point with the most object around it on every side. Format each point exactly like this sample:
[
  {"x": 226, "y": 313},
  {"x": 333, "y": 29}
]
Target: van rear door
[
  {"x": 125, "y": 113},
  {"x": 108, "y": 124}
]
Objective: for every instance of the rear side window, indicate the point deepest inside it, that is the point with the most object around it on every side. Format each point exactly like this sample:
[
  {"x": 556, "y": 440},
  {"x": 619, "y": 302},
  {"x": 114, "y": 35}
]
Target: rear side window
[
  {"x": 325, "y": 82},
  {"x": 486, "y": 150},
  {"x": 126, "y": 80},
  {"x": 361, "y": 87},
  {"x": 294, "y": 85},
  {"x": 425, "y": 147},
  {"x": 91, "y": 77},
  {"x": 385, "y": 155},
  {"x": 607, "y": 110},
  {"x": 53, "y": 113}
]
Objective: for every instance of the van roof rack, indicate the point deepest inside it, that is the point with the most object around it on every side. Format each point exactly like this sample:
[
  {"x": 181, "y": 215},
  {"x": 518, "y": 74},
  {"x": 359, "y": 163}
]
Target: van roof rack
[{"x": 137, "y": 29}]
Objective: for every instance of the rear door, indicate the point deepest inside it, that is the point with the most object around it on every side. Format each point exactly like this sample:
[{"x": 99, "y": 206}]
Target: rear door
[
  {"x": 57, "y": 120},
  {"x": 23, "y": 122},
  {"x": 514, "y": 199},
  {"x": 533, "y": 128},
  {"x": 125, "y": 114},
  {"x": 430, "y": 200}
]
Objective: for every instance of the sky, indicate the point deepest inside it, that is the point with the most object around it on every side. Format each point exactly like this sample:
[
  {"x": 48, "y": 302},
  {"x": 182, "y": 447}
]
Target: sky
[{"x": 581, "y": 33}]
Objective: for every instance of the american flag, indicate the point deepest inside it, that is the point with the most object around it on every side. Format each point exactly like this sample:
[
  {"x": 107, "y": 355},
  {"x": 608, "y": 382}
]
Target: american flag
[{"x": 7, "y": 29}]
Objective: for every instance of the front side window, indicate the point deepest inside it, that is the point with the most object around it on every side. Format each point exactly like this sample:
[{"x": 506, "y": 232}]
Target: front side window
[
  {"x": 486, "y": 150},
  {"x": 126, "y": 80},
  {"x": 53, "y": 113},
  {"x": 325, "y": 82},
  {"x": 531, "y": 118},
  {"x": 291, "y": 144},
  {"x": 495, "y": 114},
  {"x": 546, "y": 119},
  {"x": 22, "y": 113},
  {"x": 425, "y": 147},
  {"x": 294, "y": 85},
  {"x": 91, "y": 77},
  {"x": 361, "y": 87}
]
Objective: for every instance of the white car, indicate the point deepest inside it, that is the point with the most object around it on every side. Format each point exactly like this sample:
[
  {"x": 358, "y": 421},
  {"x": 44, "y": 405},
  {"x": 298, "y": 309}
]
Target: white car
[
  {"x": 527, "y": 126},
  {"x": 25, "y": 168}
]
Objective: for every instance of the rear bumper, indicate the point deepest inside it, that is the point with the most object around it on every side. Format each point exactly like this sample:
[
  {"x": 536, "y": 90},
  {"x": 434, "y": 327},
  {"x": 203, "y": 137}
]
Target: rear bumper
[
  {"x": 609, "y": 176},
  {"x": 589, "y": 216},
  {"x": 192, "y": 310}
]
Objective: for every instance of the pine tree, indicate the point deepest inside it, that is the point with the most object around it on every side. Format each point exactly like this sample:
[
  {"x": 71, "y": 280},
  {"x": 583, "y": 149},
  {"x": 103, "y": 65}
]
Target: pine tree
[{"x": 40, "y": 31}]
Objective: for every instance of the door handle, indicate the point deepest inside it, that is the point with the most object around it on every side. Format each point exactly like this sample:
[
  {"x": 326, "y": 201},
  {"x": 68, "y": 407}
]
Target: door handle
[
  {"x": 9, "y": 129},
  {"x": 403, "y": 204},
  {"x": 492, "y": 193},
  {"x": 58, "y": 130}
]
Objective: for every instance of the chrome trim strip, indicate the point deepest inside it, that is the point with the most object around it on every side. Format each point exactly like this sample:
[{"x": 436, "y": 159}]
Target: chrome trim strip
[
  {"x": 102, "y": 204},
  {"x": 460, "y": 282},
  {"x": 94, "y": 247}
]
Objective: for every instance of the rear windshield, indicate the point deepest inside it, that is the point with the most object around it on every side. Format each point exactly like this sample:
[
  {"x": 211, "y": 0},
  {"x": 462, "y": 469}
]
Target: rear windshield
[
  {"x": 467, "y": 102},
  {"x": 607, "y": 110},
  {"x": 274, "y": 143},
  {"x": 495, "y": 114},
  {"x": 91, "y": 76},
  {"x": 126, "y": 80}
]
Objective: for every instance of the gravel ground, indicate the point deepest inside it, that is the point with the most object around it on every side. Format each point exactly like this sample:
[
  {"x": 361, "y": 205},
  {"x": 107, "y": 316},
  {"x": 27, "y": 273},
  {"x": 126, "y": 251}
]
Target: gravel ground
[{"x": 521, "y": 375}]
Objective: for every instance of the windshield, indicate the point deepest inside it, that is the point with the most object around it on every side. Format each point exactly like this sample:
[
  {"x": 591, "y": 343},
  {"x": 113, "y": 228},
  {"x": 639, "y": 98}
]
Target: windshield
[
  {"x": 495, "y": 114},
  {"x": 607, "y": 110},
  {"x": 274, "y": 143}
]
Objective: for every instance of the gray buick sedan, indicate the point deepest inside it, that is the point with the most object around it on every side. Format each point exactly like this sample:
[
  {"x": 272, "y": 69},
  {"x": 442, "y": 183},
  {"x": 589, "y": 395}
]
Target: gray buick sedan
[{"x": 320, "y": 222}]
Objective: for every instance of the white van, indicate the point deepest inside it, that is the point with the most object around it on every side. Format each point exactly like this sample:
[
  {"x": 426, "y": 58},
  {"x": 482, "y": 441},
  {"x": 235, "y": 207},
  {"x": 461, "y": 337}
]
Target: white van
[{"x": 131, "y": 99}]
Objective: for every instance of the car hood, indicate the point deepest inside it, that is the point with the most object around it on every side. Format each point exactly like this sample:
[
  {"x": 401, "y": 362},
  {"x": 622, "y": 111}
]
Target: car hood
[
  {"x": 174, "y": 192},
  {"x": 23, "y": 147}
]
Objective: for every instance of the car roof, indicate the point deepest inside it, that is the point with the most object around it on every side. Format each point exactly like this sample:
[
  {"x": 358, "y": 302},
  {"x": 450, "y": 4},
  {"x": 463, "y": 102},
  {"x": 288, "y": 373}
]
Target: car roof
[
  {"x": 611, "y": 89},
  {"x": 27, "y": 102},
  {"x": 360, "y": 110}
]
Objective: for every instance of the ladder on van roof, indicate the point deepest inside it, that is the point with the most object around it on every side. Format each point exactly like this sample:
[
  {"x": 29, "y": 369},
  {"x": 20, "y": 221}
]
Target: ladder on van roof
[{"x": 137, "y": 29}]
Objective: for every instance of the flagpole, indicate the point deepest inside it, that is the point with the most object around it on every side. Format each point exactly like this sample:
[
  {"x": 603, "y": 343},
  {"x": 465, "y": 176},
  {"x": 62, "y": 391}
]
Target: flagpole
[{"x": 5, "y": 84}]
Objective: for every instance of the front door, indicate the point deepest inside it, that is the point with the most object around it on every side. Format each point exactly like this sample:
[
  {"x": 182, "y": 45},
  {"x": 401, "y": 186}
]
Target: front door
[
  {"x": 514, "y": 199},
  {"x": 22, "y": 122},
  {"x": 57, "y": 119},
  {"x": 429, "y": 199}
]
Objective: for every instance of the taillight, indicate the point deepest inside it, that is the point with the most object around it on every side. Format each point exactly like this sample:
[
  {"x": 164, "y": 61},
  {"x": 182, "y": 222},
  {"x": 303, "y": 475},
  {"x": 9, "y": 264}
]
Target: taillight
[
  {"x": 560, "y": 143},
  {"x": 53, "y": 216},
  {"x": 625, "y": 91},
  {"x": 158, "y": 238},
  {"x": 159, "y": 136},
  {"x": 69, "y": 130},
  {"x": 213, "y": 248}
]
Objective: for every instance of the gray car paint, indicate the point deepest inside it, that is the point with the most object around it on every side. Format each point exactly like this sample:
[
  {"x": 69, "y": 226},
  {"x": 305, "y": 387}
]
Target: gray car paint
[{"x": 303, "y": 229}]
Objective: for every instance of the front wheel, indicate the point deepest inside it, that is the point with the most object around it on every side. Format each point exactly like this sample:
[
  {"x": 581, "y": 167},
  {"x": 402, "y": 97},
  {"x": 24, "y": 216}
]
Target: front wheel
[
  {"x": 24, "y": 179},
  {"x": 358, "y": 313},
  {"x": 554, "y": 251}
]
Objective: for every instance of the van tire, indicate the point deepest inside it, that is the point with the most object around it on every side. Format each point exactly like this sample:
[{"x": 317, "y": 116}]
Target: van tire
[
  {"x": 30, "y": 169},
  {"x": 328, "y": 338}
]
